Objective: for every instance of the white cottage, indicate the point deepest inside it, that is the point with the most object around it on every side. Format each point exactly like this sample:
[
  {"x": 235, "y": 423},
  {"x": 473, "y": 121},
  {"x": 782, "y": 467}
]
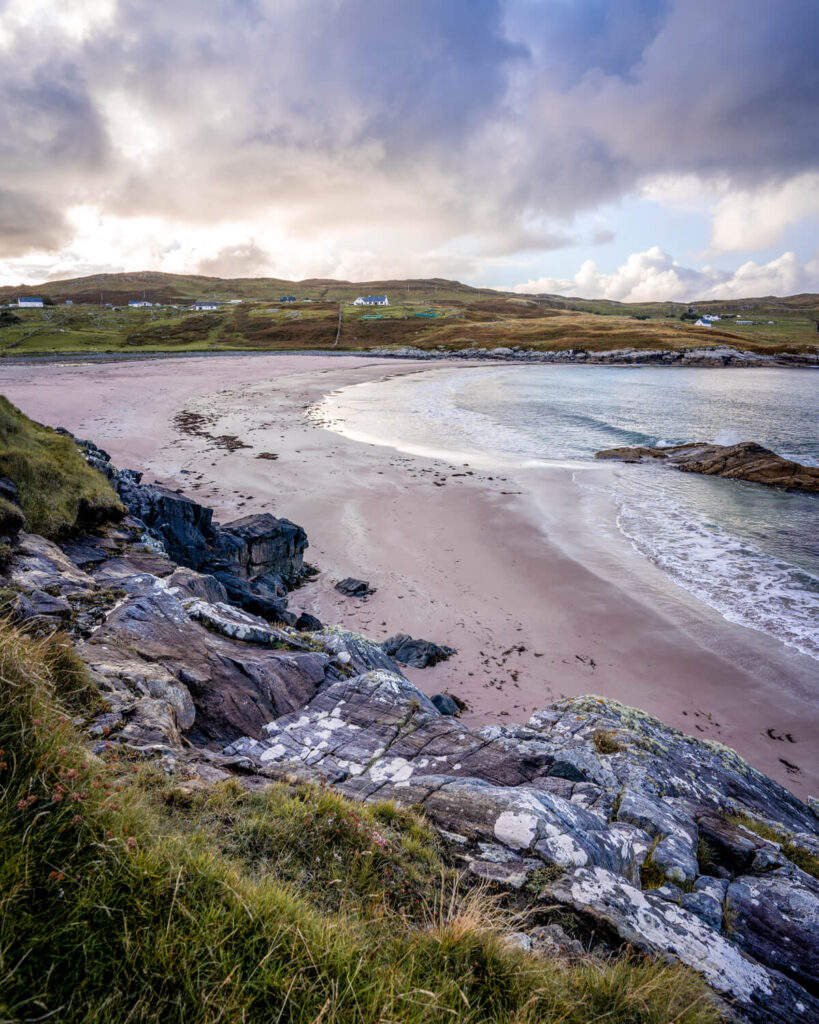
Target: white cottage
[
  {"x": 372, "y": 300},
  {"x": 29, "y": 303}
]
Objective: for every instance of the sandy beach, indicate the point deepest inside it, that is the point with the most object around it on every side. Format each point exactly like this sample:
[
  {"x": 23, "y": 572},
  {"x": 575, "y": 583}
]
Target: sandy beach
[{"x": 524, "y": 572}]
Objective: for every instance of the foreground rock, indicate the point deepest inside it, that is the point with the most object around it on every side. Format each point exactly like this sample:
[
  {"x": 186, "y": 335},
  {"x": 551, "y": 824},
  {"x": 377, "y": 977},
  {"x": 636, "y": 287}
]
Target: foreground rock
[
  {"x": 592, "y": 816},
  {"x": 745, "y": 461},
  {"x": 551, "y": 797}
]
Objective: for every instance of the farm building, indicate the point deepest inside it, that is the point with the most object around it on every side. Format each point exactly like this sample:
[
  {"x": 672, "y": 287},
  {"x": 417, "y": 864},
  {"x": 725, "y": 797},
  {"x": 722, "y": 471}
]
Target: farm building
[
  {"x": 139, "y": 303},
  {"x": 28, "y": 303},
  {"x": 702, "y": 322},
  {"x": 372, "y": 300},
  {"x": 287, "y": 298},
  {"x": 201, "y": 306}
]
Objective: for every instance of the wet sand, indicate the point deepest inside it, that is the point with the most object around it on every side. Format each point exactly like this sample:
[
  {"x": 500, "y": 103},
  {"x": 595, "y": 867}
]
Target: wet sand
[{"x": 523, "y": 571}]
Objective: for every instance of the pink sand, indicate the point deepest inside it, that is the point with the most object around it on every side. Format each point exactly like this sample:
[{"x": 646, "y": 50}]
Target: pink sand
[{"x": 535, "y": 588}]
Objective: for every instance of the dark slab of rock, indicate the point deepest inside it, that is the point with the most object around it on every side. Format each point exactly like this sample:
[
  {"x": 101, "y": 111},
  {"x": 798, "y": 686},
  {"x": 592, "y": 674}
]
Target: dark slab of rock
[
  {"x": 236, "y": 685},
  {"x": 729, "y": 846},
  {"x": 352, "y": 587},
  {"x": 775, "y": 918},
  {"x": 447, "y": 704},
  {"x": 8, "y": 490},
  {"x": 264, "y": 596},
  {"x": 37, "y": 603},
  {"x": 308, "y": 623},
  {"x": 745, "y": 461},
  {"x": 416, "y": 653},
  {"x": 183, "y": 526},
  {"x": 259, "y": 544}
]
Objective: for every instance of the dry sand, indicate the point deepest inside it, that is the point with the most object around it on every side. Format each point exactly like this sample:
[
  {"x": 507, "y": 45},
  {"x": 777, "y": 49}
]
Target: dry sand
[{"x": 522, "y": 571}]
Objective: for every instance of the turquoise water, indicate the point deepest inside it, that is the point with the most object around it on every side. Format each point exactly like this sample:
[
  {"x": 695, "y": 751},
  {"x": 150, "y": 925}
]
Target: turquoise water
[{"x": 749, "y": 551}]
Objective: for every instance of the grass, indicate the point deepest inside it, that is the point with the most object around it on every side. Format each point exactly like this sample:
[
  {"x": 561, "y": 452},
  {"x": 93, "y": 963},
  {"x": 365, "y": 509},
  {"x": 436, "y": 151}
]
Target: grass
[
  {"x": 606, "y": 742},
  {"x": 125, "y": 897},
  {"x": 652, "y": 875},
  {"x": 465, "y": 318},
  {"x": 59, "y": 491},
  {"x": 802, "y": 858}
]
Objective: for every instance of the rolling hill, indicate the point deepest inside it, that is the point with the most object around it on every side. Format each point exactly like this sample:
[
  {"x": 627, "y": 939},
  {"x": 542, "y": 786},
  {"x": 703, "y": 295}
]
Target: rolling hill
[{"x": 426, "y": 313}]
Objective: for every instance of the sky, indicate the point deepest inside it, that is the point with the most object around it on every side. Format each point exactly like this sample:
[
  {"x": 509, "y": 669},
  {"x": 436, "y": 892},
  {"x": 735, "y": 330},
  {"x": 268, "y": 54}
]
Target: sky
[{"x": 625, "y": 149}]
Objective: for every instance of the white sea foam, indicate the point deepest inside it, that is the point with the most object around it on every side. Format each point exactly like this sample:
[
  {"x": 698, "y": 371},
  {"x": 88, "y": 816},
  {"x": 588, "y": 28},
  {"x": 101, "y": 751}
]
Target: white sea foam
[
  {"x": 734, "y": 576},
  {"x": 747, "y": 553}
]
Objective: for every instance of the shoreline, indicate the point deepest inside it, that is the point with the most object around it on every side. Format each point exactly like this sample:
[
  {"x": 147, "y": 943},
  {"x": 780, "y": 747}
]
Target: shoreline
[
  {"x": 715, "y": 357},
  {"x": 454, "y": 560}
]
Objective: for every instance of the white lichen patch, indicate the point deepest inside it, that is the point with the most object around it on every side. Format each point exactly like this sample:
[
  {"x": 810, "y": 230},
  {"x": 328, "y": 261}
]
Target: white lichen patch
[
  {"x": 516, "y": 829},
  {"x": 394, "y": 769}
]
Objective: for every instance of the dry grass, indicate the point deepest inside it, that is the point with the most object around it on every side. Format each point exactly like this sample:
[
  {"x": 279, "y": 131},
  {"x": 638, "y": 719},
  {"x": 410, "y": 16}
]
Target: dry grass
[{"x": 124, "y": 898}]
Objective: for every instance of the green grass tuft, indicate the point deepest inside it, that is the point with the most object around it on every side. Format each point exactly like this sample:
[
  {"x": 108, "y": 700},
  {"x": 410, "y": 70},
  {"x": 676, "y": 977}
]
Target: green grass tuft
[
  {"x": 652, "y": 875},
  {"x": 59, "y": 491},
  {"x": 125, "y": 896}
]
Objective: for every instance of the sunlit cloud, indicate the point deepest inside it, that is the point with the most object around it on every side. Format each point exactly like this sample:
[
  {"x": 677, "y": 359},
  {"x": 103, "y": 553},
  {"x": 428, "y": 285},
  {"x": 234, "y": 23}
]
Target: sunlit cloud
[
  {"x": 654, "y": 276},
  {"x": 386, "y": 137}
]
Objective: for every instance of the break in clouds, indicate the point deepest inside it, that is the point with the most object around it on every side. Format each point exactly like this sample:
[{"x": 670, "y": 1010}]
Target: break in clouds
[{"x": 376, "y": 138}]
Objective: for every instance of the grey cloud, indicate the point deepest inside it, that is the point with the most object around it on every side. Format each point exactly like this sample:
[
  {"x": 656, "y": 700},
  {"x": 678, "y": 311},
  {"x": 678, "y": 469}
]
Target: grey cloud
[
  {"x": 464, "y": 118},
  {"x": 27, "y": 223}
]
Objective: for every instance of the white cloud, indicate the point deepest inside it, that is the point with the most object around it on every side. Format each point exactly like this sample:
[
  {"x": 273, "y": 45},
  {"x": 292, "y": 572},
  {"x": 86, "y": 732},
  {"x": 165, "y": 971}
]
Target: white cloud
[
  {"x": 756, "y": 219},
  {"x": 654, "y": 276}
]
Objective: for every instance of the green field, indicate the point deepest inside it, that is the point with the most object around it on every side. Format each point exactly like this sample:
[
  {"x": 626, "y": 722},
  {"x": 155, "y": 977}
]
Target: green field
[{"x": 427, "y": 314}]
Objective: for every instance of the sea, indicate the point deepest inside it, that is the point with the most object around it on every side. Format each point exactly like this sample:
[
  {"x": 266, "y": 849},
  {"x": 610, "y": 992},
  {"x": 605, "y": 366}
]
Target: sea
[{"x": 749, "y": 551}]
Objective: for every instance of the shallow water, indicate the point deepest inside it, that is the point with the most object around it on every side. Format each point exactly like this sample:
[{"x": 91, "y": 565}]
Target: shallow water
[{"x": 748, "y": 551}]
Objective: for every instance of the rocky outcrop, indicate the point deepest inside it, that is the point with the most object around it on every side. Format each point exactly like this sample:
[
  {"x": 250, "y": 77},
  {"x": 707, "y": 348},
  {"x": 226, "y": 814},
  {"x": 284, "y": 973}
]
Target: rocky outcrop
[
  {"x": 591, "y": 812},
  {"x": 514, "y": 803},
  {"x": 745, "y": 461},
  {"x": 714, "y": 355},
  {"x": 255, "y": 545},
  {"x": 416, "y": 653},
  {"x": 257, "y": 559}
]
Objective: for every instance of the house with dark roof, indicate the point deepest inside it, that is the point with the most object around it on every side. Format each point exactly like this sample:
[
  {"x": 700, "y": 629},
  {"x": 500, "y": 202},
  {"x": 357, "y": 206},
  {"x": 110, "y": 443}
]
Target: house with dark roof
[
  {"x": 29, "y": 303},
  {"x": 372, "y": 300}
]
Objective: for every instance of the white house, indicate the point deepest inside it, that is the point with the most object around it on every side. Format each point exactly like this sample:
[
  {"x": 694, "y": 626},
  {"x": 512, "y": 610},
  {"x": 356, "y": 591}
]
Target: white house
[
  {"x": 702, "y": 322},
  {"x": 29, "y": 303},
  {"x": 201, "y": 306},
  {"x": 139, "y": 303},
  {"x": 713, "y": 317},
  {"x": 372, "y": 300}
]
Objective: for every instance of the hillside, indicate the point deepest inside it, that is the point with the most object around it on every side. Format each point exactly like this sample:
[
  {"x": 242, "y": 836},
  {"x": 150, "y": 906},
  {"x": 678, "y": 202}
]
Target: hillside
[{"x": 425, "y": 313}]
